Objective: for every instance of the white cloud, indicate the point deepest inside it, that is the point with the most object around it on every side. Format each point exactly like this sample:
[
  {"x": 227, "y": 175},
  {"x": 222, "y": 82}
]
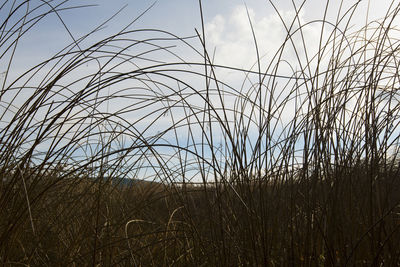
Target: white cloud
[{"x": 232, "y": 37}]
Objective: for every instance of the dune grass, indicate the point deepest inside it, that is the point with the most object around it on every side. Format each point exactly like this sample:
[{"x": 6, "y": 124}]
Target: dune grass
[{"x": 298, "y": 166}]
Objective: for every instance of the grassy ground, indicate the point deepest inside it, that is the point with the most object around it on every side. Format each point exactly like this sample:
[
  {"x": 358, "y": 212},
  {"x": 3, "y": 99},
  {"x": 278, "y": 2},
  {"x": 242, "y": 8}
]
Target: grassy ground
[{"x": 345, "y": 221}]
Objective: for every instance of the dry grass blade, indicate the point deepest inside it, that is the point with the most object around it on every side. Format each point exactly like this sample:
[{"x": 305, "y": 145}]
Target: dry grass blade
[{"x": 296, "y": 165}]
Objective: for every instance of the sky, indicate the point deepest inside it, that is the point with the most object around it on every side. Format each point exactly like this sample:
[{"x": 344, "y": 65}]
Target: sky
[
  {"x": 228, "y": 28},
  {"x": 227, "y": 25}
]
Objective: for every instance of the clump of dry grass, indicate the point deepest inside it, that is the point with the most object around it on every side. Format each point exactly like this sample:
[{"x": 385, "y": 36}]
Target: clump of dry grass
[{"x": 320, "y": 188}]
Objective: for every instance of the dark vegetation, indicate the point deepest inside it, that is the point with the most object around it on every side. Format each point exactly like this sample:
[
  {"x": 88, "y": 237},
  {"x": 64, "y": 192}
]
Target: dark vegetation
[{"x": 319, "y": 189}]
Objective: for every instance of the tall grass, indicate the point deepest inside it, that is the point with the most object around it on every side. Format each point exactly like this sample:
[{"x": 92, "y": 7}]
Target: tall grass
[{"x": 298, "y": 166}]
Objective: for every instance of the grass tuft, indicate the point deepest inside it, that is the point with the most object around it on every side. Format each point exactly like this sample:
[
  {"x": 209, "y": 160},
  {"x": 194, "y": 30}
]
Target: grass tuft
[{"x": 125, "y": 152}]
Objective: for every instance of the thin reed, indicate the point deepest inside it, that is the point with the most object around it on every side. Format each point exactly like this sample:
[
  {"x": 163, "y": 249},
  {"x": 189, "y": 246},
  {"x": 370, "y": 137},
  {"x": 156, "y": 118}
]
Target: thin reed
[{"x": 122, "y": 151}]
